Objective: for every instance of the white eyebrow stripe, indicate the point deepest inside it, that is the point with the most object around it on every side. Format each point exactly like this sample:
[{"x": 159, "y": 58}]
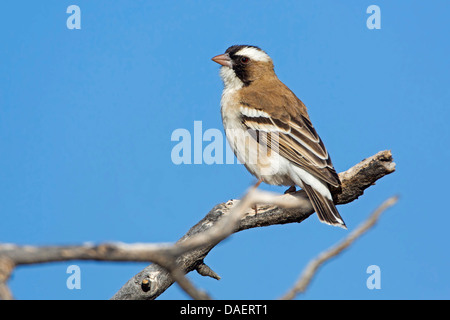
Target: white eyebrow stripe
[{"x": 254, "y": 54}]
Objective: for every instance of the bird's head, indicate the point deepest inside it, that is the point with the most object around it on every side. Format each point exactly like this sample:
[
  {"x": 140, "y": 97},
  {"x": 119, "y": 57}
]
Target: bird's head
[{"x": 244, "y": 64}]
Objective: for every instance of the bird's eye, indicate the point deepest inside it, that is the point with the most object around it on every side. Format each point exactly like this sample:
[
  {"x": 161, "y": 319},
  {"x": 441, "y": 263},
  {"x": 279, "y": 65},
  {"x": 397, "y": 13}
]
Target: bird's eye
[{"x": 245, "y": 60}]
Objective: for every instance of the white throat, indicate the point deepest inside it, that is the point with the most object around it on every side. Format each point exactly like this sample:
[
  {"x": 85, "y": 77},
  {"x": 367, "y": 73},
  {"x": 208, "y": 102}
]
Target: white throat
[{"x": 230, "y": 80}]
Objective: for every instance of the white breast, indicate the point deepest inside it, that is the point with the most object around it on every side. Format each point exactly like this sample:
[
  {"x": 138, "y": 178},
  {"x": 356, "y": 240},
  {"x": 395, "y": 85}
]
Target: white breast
[
  {"x": 268, "y": 166},
  {"x": 262, "y": 163}
]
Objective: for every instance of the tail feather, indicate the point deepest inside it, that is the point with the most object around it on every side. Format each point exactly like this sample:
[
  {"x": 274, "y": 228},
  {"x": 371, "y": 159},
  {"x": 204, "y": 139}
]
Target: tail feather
[{"x": 324, "y": 207}]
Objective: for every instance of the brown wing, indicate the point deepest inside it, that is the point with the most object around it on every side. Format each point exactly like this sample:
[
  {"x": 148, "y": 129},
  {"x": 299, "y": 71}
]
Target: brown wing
[{"x": 297, "y": 139}]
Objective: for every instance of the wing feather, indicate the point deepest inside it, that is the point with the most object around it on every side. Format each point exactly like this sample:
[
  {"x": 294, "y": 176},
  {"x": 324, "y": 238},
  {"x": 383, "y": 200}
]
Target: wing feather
[{"x": 292, "y": 131}]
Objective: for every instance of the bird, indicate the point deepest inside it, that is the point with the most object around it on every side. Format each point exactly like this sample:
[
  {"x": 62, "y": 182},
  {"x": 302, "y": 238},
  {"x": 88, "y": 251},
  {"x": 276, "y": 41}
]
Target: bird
[{"x": 270, "y": 131}]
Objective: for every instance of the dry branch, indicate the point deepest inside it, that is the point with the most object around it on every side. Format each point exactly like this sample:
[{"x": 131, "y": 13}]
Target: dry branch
[
  {"x": 311, "y": 269},
  {"x": 354, "y": 182},
  {"x": 172, "y": 262}
]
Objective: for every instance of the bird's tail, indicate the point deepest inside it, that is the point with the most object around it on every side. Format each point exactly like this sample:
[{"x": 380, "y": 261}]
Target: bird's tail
[{"x": 324, "y": 207}]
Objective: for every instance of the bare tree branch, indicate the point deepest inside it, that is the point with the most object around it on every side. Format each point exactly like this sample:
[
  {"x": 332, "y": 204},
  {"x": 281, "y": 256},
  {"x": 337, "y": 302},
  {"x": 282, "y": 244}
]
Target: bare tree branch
[
  {"x": 311, "y": 269},
  {"x": 164, "y": 255},
  {"x": 222, "y": 229},
  {"x": 12, "y": 255},
  {"x": 172, "y": 262},
  {"x": 6, "y": 268},
  {"x": 117, "y": 251},
  {"x": 354, "y": 182}
]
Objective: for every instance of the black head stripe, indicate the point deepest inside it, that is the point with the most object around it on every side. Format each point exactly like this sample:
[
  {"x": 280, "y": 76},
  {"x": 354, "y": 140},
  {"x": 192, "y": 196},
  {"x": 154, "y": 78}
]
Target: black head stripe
[
  {"x": 241, "y": 72},
  {"x": 234, "y": 49},
  {"x": 239, "y": 68}
]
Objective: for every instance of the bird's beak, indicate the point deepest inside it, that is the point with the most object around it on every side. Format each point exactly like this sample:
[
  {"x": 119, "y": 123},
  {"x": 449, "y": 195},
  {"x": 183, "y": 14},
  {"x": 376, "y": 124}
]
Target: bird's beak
[{"x": 223, "y": 59}]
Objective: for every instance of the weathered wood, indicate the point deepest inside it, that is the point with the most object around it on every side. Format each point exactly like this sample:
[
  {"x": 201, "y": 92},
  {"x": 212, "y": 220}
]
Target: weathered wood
[{"x": 354, "y": 181}]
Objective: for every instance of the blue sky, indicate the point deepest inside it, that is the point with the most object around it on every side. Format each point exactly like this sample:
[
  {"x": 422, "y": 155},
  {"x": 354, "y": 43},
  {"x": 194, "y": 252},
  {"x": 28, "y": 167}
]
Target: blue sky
[{"x": 86, "y": 118}]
